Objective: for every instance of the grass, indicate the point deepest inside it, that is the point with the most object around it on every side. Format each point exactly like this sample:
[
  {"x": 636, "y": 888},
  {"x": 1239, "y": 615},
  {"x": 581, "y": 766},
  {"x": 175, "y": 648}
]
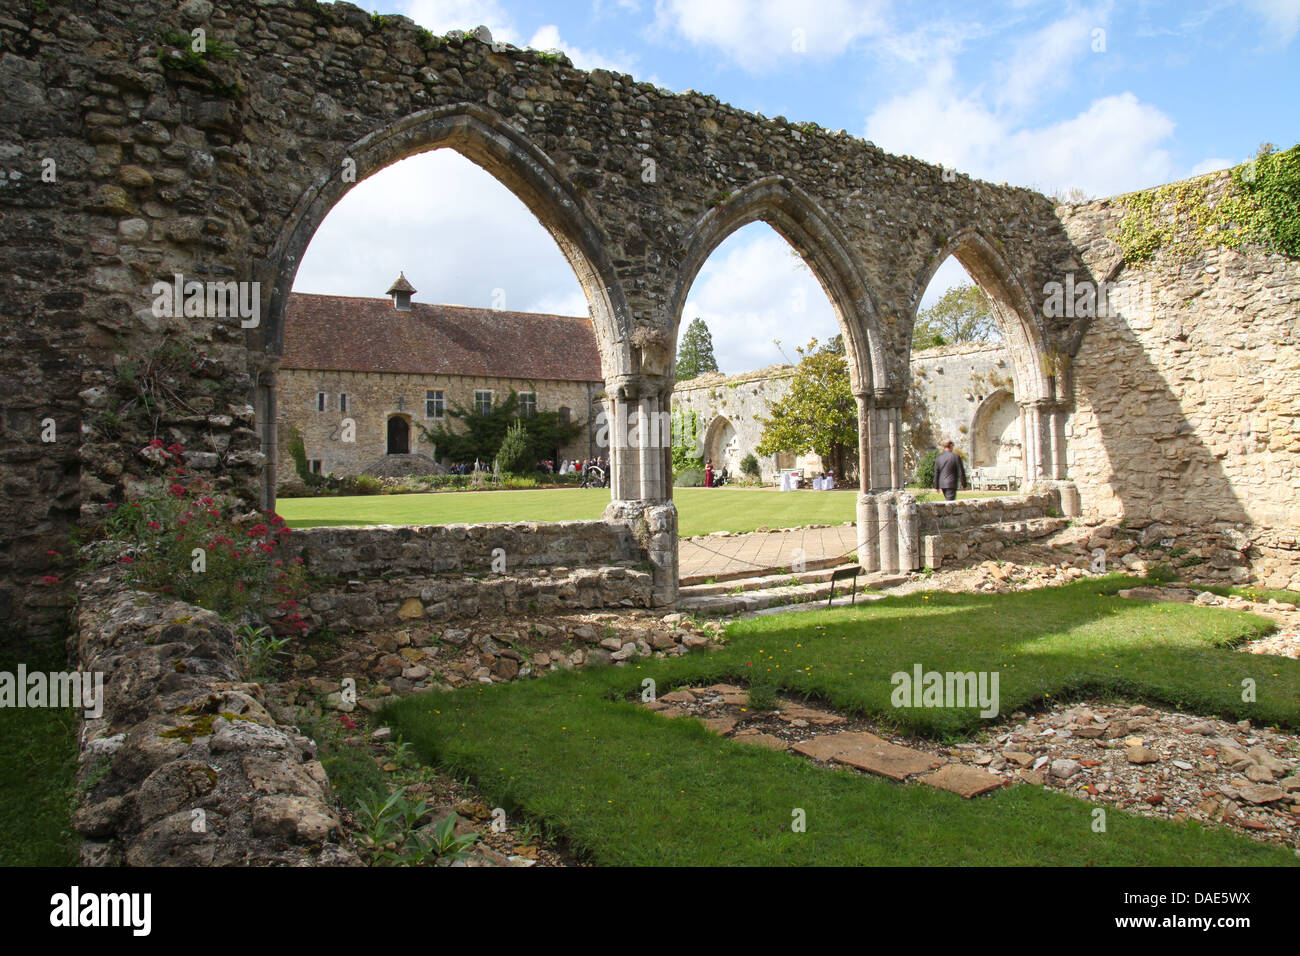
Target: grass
[
  {"x": 38, "y": 763},
  {"x": 628, "y": 787},
  {"x": 701, "y": 510}
]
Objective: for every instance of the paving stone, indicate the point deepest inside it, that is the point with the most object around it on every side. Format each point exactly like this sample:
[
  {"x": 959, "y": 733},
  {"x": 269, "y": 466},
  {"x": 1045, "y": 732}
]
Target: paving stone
[
  {"x": 822, "y": 718},
  {"x": 720, "y": 725},
  {"x": 762, "y": 740},
  {"x": 963, "y": 780},
  {"x": 869, "y": 752}
]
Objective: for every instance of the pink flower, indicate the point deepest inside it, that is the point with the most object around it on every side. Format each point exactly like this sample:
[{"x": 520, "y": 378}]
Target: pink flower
[{"x": 177, "y": 490}]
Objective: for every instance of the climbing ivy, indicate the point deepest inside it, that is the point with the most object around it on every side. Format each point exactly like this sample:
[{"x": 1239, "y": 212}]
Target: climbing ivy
[{"x": 1261, "y": 205}]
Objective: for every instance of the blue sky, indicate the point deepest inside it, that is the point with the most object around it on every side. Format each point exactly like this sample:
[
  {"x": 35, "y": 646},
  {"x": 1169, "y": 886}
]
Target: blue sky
[{"x": 1103, "y": 97}]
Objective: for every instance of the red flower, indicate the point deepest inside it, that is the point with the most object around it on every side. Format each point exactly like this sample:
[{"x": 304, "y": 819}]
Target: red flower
[
  {"x": 208, "y": 502},
  {"x": 127, "y": 559},
  {"x": 257, "y": 530},
  {"x": 174, "y": 449},
  {"x": 347, "y": 722},
  {"x": 154, "y": 524},
  {"x": 156, "y": 443},
  {"x": 49, "y": 579},
  {"x": 266, "y": 548},
  {"x": 177, "y": 490},
  {"x": 53, "y": 553},
  {"x": 277, "y": 520}
]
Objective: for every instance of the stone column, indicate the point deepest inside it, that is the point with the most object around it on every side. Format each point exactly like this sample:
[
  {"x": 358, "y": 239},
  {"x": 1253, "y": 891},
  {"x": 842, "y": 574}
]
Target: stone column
[
  {"x": 909, "y": 533},
  {"x": 868, "y": 522},
  {"x": 887, "y": 523}
]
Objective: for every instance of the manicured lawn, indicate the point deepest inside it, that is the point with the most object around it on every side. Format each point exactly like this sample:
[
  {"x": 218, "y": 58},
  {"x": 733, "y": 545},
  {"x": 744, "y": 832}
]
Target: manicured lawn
[
  {"x": 38, "y": 759},
  {"x": 625, "y": 786},
  {"x": 701, "y": 509}
]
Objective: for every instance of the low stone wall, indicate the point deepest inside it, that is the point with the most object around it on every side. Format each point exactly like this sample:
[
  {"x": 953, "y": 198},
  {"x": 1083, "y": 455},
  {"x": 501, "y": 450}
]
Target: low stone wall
[
  {"x": 430, "y": 549},
  {"x": 378, "y": 602},
  {"x": 935, "y": 517},
  {"x": 187, "y": 766}
]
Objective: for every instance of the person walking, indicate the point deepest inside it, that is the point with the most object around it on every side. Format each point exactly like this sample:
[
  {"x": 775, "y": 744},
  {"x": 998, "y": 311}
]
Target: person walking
[{"x": 949, "y": 472}]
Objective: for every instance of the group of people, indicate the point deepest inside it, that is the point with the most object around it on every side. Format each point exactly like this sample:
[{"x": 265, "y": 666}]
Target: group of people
[
  {"x": 594, "y": 471},
  {"x": 714, "y": 479}
]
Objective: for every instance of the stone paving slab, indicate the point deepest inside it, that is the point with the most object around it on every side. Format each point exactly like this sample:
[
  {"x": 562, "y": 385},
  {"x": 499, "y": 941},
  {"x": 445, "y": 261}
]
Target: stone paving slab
[
  {"x": 761, "y": 551},
  {"x": 963, "y": 780},
  {"x": 770, "y": 741},
  {"x": 869, "y": 752}
]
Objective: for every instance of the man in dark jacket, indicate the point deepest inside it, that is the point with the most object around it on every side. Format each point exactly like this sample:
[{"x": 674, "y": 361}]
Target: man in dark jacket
[{"x": 949, "y": 472}]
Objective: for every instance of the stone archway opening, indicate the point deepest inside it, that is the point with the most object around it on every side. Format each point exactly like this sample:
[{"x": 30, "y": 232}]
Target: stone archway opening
[
  {"x": 398, "y": 436},
  {"x": 528, "y": 179},
  {"x": 1037, "y": 379},
  {"x": 995, "y": 434}
]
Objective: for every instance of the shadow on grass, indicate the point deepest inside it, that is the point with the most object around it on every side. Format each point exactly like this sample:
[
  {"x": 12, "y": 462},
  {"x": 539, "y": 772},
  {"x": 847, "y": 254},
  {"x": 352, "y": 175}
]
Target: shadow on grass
[{"x": 626, "y": 786}]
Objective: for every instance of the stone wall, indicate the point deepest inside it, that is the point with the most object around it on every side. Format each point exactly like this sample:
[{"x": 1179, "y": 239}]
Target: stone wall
[
  {"x": 954, "y": 530},
  {"x": 188, "y": 765},
  {"x": 1187, "y": 396},
  {"x": 374, "y": 397},
  {"x": 428, "y": 549},
  {"x": 953, "y": 389}
]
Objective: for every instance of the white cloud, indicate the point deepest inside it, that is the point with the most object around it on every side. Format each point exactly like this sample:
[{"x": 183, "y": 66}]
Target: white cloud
[
  {"x": 762, "y": 34},
  {"x": 753, "y": 289},
  {"x": 1282, "y": 17},
  {"x": 457, "y": 233},
  {"x": 1211, "y": 165},
  {"x": 1043, "y": 61},
  {"x": 441, "y": 16},
  {"x": 548, "y": 38},
  {"x": 1115, "y": 145}
]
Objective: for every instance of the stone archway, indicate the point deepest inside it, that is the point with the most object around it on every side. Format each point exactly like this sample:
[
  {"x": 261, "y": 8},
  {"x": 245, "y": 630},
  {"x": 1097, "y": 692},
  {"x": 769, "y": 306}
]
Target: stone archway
[
  {"x": 722, "y": 445},
  {"x": 1040, "y": 375},
  {"x": 995, "y": 432}
]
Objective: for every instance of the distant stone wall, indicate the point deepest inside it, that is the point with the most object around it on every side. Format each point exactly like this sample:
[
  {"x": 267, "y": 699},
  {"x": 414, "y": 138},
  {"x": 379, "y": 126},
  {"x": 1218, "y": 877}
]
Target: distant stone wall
[
  {"x": 953, "y": 383},
  {"x": 954, "y": 530},
  {"x": 188, "y": 765}
]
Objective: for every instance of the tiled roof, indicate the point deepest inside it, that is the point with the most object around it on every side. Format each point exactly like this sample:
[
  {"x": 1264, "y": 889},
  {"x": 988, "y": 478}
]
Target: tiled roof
[{"x": 344, "y": 333}]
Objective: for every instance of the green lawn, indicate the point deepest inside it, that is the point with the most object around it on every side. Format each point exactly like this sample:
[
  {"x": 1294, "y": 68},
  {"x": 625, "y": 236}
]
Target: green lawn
[
  {"x": 38, "y": 761},
  {"x": 701, "y": 509},
  {"x": 625, "y": 786}
]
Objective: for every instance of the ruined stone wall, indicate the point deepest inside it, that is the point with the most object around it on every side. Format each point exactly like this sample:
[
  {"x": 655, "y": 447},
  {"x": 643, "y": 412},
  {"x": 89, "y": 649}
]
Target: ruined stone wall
[
  {"x": 1187, "y": 403},
  {"x": 188, "y": 765},
  {"x": 427, "y": 549},
  {"x": 373, "y": 397},
  {"x": 949, "y": 385}
]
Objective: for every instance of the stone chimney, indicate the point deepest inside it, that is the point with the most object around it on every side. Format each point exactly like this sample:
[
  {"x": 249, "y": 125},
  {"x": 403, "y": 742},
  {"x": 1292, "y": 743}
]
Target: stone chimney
[{"x": 401, "y": 291}]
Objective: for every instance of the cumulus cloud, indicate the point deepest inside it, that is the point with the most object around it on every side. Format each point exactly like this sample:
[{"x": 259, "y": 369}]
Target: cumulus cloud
[
  {"x": 1212, "y": 165},
  {"x": 754, "y": 289},
  {"x": 759, "y": 35},
  {"x": 548, "y": 38},
  {"x": 441, "y": 16},
  {"x": 461, "y": 237}
]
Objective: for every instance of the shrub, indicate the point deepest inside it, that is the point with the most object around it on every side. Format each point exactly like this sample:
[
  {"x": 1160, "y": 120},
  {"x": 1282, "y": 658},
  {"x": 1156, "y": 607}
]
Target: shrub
[
  {"x": 367, "y": 485},
  {"x": 689, "y": 478},
  {"x": 925, "y": 470},
  {"x": 514, "y": 456},
  {"x": 749, "y": 466}
]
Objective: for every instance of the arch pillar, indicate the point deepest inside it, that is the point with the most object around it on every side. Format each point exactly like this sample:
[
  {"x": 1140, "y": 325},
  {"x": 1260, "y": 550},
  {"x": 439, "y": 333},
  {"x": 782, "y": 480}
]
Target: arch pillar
[
  {"x": 1042, "y": 424},
  {"x": 888, "y": 539},
  {"x": 638, "y": 435}
]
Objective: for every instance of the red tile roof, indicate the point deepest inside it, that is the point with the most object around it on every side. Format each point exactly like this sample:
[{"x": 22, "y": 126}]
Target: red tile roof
[{"x": 345, "y": 333}]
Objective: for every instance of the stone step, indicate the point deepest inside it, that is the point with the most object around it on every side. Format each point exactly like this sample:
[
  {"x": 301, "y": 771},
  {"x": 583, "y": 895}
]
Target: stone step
[
  {"x": 760, "y": 581},
  {"x": 771, "y": 598},
  {"x": 814, "y": 564}
]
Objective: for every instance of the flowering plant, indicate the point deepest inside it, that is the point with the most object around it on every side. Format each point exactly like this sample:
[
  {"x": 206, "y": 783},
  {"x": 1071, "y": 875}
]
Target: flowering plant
[{"x": 182, "y": 539}]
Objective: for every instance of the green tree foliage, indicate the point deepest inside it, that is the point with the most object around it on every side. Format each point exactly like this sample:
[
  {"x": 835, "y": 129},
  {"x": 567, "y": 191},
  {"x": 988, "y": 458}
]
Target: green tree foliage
[
  {"x": 749, "y": 466},
  {"x": 687, "y": 439},
  {"x": 479, "y": 437},
  {"x": 515, "y": 456},
  {"x": 695, "y": 351},
  {"x": 818, "y": 414},
  {"x": 962, "y": 315}
]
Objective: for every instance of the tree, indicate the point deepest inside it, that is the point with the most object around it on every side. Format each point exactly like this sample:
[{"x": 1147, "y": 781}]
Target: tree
[
  {"x": 963, "y": 314},
  {"x": 515, "y": 457},
  {"x": 695, "y": 351},
  {"x": 480, "y": 436},
  {"x": 818, "y": 414}
]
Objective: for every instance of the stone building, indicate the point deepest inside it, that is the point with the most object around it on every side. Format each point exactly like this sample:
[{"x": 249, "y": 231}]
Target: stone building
[
  {"x": 359, "y": 376},
  {"x": 963, "y": 393}
]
